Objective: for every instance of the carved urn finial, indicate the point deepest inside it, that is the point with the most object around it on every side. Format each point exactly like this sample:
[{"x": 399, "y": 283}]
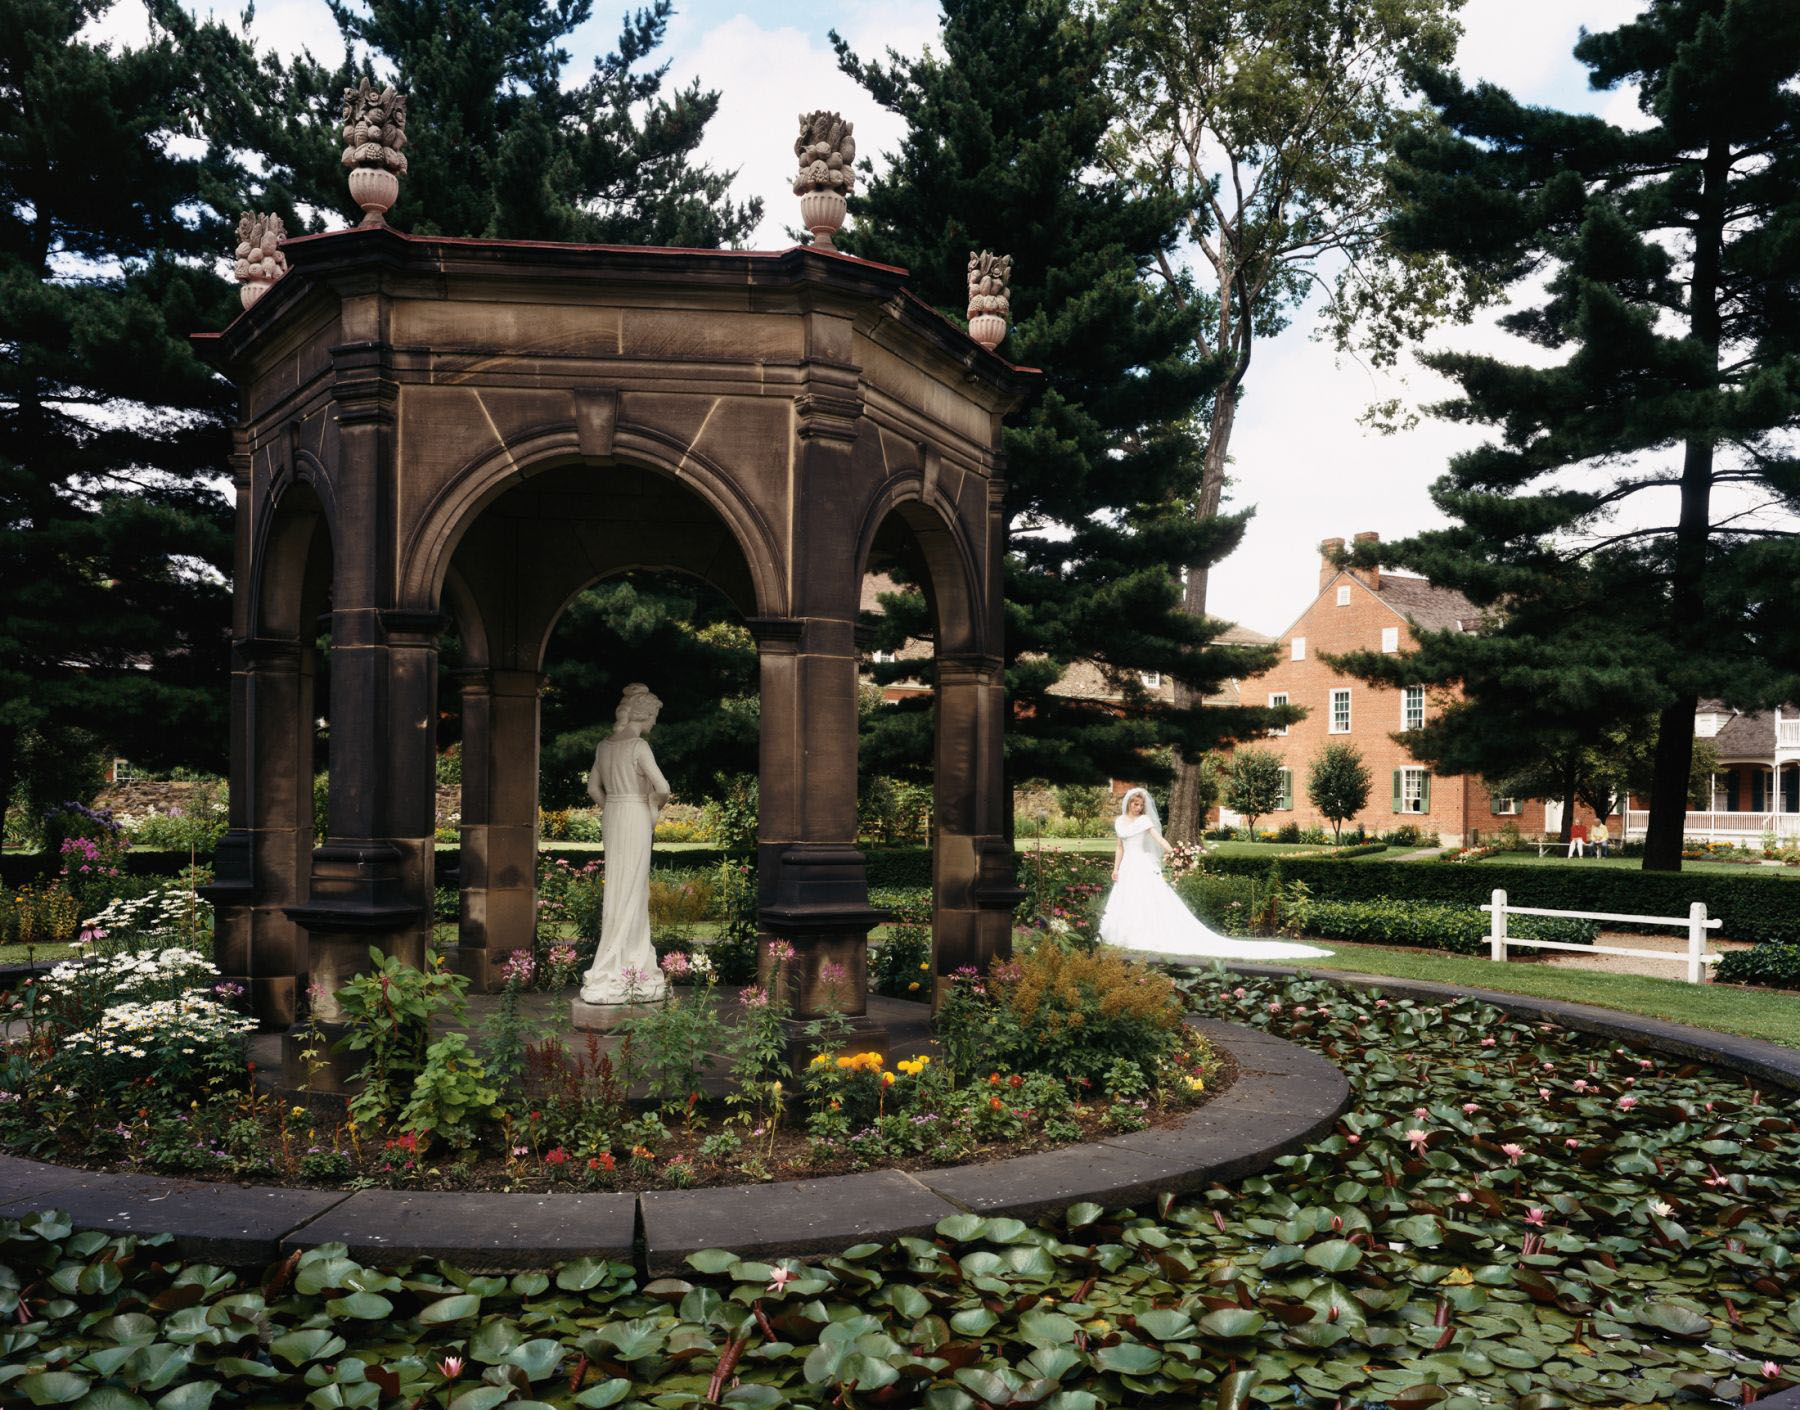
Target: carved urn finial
[
  {"x": 990, "y": 297},
  {"x": 260, "y": 261},
  {"x": 827, "y": 154},
  {"x": 374, "y": 133}
]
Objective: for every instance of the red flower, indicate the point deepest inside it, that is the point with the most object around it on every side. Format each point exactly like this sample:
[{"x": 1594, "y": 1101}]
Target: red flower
[
  {"x": 1015, "y": 1080},
  {"x": 556, "y": 1155}
]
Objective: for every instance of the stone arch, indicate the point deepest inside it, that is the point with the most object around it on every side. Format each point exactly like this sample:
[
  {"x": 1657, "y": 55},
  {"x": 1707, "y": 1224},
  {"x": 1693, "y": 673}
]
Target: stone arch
[
  {"x": 293, "y": 553},
  {"x": 458, "y": 504},
  {"x": 961, "y": 623}
]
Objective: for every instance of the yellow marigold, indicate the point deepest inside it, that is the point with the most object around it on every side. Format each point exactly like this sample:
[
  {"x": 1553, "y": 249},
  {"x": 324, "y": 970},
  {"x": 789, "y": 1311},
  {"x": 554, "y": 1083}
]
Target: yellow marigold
[
  {"x": 1196, "y": 1084},
  {"x": 846, "y": 1062},
  {"x": 821, "y": 1059},
  {"x": 926, "y": 965},
  {"x": 887, "y": 1079}
]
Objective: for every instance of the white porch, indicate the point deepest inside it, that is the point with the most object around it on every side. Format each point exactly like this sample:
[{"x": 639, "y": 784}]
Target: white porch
[{"x": 1743, "y": 829}]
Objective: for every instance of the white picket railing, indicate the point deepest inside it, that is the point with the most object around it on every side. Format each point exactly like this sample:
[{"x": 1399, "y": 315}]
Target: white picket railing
[{"x": 1696, "y": 923}]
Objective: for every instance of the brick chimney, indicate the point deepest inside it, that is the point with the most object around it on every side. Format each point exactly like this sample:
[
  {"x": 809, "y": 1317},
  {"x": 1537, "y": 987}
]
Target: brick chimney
[
  {"x": 1328, "y": 569},
  {"x": 1371, "y": 575}
]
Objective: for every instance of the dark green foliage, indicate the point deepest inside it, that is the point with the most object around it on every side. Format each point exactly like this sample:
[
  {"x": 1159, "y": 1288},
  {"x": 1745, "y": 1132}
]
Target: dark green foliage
[
  {"x": 1609, "y": 526},
  {"x": 1338, "y": 784},
  {"x": 1753, "y": 907},
  {"x": 117, "y": 194},
  {"x": 1253, "y": 784},
  {"x": 1775, "y": 965},
  {"x": 1006, "y": 119},
  {"x": 1428, "y": 925},
  {"x": 675, "y": 632},
  {"x": 502, "y": 146}
]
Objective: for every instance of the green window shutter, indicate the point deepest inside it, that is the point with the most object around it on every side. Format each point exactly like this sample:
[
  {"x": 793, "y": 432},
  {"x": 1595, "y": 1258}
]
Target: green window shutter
[
  {"x": 1287, "y": 790},
  {"x": 1399, "y": 797},
  {"x": 1425, "y": 793}
]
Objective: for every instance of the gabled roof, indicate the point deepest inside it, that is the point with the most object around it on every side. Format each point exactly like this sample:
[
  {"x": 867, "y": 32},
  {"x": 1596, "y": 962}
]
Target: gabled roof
[
  {"x": 1436, "y": 609},
  {"x": 1749, "y": 736}
]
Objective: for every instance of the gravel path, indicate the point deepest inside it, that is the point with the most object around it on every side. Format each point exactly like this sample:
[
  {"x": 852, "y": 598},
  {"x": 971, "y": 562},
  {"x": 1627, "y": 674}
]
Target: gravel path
[{"x": 1675, "y": 967}]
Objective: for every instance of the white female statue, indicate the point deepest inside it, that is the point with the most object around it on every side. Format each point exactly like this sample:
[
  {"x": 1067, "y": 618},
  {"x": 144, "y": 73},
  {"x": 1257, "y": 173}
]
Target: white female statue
[{"x": 626, "y": 783}]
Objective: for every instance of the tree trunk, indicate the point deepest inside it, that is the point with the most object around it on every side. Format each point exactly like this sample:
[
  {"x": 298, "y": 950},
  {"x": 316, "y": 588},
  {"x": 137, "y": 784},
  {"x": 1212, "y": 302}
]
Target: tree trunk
[
  {"x": 1184, "y": 822},
  {"x": 1674, "y": 759},
  {"x": 1568, "y": 817}
]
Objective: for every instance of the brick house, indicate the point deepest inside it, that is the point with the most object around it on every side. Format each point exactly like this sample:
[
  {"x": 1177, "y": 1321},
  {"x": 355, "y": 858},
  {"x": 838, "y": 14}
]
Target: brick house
[{"x": 1367, "y": 608}]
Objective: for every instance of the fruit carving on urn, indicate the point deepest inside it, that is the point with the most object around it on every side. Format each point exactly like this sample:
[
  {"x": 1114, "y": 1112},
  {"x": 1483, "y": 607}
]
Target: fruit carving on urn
[
  {"x": 827, "y": 154},
  {"x": 990, "y": 297},
  {"x": 260, "y": 261},
  {"x": 374, "y": 133}
]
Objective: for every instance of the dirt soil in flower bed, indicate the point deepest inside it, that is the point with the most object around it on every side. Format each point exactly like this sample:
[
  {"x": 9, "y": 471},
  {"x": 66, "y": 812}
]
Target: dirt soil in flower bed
[{"x": 377, "y": 1165}]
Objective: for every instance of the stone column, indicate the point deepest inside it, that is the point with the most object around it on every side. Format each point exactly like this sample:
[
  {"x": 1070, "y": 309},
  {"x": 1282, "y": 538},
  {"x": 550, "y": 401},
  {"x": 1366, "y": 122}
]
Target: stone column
[
  {"x": 812, "y": 887},
  {"x": 264, "y": 859},
  {"x": 974, "y": 893},
  {"x": 372, "y": 876},
  {"x": 499, "y": 821}
]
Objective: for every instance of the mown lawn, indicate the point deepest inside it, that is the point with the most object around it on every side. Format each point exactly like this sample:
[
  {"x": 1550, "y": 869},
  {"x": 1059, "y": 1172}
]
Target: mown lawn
[{"x": 1771, "y": 1014}]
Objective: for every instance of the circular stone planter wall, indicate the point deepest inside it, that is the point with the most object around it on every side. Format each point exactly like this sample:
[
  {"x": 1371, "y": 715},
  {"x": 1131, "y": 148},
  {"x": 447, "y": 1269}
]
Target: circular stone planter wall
[{"x": 1284, "y": 1096}]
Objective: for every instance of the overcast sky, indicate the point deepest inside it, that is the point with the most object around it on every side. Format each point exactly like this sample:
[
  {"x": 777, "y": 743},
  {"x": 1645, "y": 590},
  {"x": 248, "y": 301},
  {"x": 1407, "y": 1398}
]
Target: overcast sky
[{"x": 1299, "y": 455}]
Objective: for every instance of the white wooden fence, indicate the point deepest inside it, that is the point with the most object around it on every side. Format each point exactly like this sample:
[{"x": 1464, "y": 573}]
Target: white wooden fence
[{"x": 1695, "y": 922}]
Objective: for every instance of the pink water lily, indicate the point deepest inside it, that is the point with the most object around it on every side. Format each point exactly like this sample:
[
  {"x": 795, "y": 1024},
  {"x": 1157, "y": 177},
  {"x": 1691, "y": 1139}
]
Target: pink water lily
[
  {"x": 1512, "y": 1150},
  {"x": 1536, "y": 1217},
  {"x": 1417, "y": 1139},
  {"x": 1572, "y": 1143},
  {"x": 1627, "y": 1102},
  {"x": 779, "y": 1278},
  {"x": 1580, "y": 1084},
  {"x": 1464, "y": 1197},
  {"x": 1487, "y": 1042},
  {"x": 1543, "y": 1094},
  {"x": 1470, "y": 1108},
  {"x": 1771, "y": 1370},
  {"x": 451, "y": 1366}
]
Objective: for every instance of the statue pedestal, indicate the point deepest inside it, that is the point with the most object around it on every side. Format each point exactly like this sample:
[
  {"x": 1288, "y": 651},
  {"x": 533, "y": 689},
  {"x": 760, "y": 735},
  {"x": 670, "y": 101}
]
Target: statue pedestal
[{"x": 604, "y": 1018}]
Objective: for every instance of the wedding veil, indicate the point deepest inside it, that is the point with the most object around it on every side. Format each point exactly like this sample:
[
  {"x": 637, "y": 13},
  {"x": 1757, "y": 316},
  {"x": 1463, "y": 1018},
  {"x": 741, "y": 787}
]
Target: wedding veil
[{"x": 1149, "y": 806}]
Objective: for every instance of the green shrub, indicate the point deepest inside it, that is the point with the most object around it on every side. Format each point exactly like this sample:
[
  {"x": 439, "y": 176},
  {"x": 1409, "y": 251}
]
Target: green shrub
[
  {"x": 1430, "y": 925},
  {"x": 1753, "y": 907},
  {"x": 900, "y": 965},
  {"x": 450, "y": 1095},
  {"x": 1773, "y": 964}
]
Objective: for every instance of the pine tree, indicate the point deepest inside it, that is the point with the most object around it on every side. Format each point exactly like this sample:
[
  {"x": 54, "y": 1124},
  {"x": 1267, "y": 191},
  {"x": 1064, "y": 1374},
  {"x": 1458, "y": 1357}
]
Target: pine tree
[
  {"x": 1658, "y": 431},
  {"x": 685, "y": 639},
  {"x": 1004, "y": 134},
  {"x": 501, "y": 147},
  {"x": 113, "y": 534}
]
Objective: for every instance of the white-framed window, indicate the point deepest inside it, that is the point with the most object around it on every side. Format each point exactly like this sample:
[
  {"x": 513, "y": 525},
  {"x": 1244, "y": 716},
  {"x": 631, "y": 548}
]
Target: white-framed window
[
  {"x": 1152, "y": 679},
  {"x": 882, "y": 658},
  {"x": 1505, "y": 807},
  {"x": 1390, "y": 640},
  {"x": 1412, "y": 791},
  {"x": 1412, "y": 706},
  {"x": 1344, "y": 595},
  {"x": 1278, "y": 697},
  {"x": 1286, "y": 805},
  {"x": 1340, "y": 712},
  {"x": 1297, "y": 651},
  {"x": 121, "y": 770}
]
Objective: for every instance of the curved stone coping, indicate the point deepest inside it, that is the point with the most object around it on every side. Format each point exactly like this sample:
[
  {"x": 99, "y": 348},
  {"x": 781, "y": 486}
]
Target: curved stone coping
[
  {"x": 1764, "y": 1061},
  {"x": 1284, "y": 1096}
]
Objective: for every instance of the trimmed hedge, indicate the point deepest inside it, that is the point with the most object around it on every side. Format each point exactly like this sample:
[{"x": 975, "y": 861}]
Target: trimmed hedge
[
  {"x": 888, "y": 866},
  {"x": 1756, "y": 908},
  {"x": 1775, "y": 965},
  {"x": 1430, "y": 925}
]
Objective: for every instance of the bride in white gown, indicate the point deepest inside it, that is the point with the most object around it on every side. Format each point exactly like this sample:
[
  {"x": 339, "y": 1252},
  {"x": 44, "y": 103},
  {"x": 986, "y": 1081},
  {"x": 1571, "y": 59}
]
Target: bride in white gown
[{"x": 1144, "y": 913}]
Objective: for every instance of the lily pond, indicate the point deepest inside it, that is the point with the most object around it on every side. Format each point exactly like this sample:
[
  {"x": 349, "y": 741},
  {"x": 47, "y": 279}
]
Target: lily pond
[{"x": 1508, "y": 1214}]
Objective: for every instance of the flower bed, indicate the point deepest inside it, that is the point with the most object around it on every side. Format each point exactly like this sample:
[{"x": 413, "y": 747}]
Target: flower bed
[
  {"x": 1479, "y": 1231},
  {"x": 135, "y": 1061}
]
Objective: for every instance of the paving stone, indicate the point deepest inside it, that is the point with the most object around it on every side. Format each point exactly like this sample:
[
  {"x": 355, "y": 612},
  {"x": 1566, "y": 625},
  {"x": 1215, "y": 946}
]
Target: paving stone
[
  {"x": 791, "y": 1217},
  {"x": 480, "y": 1232},
  {"x": 21, "y": 1179},
  {"x": 240, "y": 1225},
  {"x": 1029, "y": 1186}
]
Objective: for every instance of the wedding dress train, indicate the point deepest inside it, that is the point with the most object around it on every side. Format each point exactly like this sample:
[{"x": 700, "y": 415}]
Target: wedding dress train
[{"x": 1144, "y": 913}]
